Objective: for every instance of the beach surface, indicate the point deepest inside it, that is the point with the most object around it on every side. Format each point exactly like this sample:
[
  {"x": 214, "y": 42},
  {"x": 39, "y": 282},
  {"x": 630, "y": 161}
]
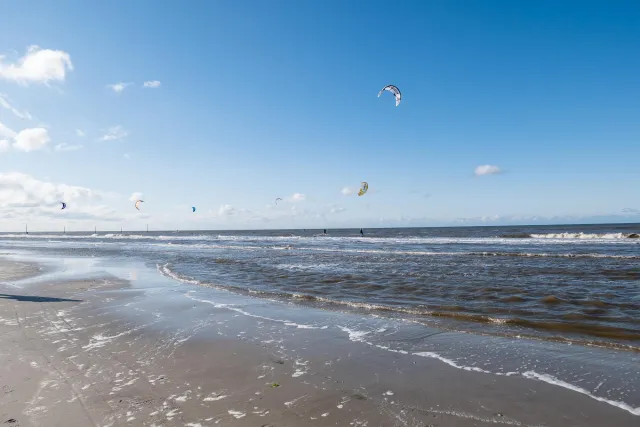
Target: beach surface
[{"x": 91, "y": 347}]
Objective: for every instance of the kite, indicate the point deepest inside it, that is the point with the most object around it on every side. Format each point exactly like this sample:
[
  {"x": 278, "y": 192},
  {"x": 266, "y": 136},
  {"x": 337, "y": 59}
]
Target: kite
[
  {"x": 64, "y": 205},
  {"x": 363, "y": 188},
  {"x": 394, "y": 90},
  {"x": 138, "y": 203},
  {"x": 277, "y": 200},
  {"x": 194, "y": 208}
]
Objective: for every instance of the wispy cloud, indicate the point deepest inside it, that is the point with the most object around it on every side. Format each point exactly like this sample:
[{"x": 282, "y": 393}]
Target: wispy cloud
[
  {"x": 487, "y": 170},
  {"x": 114, "y": 133},
  {"x": 4, "y": 103},
  {"x": 119, "y": 87},
  {"x": 630, "y": 210},
  {"x": 68, "y": 147},
  {"x": 127, "y": 156},
  {"x": 136, "y": 196},
  {"x": 80, "y": 133},
  {"x": 6, "y": 131},
  {"x": 420, "y": 193},
  {"x": 298, "y": 197},
  {"x": 152, "y": 84},
  {"x": 37, "y": 66},
  {"x": 346, "y": 191}
]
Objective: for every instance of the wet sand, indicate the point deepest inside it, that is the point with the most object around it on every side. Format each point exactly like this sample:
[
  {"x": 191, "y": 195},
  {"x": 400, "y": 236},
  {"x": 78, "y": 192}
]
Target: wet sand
[
  {"x": 15, "y": 270},
  {"x": 99, "y": 352}
]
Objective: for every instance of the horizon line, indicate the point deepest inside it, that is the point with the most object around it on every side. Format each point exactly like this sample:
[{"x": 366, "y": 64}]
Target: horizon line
[{"x": 327, "y": 228}]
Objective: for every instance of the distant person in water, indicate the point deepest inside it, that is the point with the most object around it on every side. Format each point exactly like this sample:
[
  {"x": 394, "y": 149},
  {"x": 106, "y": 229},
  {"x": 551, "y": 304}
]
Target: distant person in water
[
  {"x": 361, "y": 232},
  {"x": 325, "y": 231}
]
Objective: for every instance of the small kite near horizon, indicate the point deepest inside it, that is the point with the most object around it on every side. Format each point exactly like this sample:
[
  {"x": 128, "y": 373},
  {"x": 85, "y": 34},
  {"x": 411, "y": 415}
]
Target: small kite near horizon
[
  {"x": 138, "y": 203},
  {"x": 364, "y": 188},
  {"x": 64, "y": 205}
]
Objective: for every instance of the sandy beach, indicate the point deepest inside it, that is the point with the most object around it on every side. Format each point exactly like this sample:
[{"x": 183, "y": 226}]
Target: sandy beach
[{"x": 100, "y": 352}]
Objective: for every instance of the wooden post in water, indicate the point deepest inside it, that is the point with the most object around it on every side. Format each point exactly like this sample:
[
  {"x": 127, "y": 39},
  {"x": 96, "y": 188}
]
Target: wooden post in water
[
  {"x": 26, "y": 230},
  {"x": 147, "y": 228},
  {"x": 95, "y": 230}
]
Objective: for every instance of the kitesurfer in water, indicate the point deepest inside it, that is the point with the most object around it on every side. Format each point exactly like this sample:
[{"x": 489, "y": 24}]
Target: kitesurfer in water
[
  {"x": 361, "y": 232},
  {"x": 325, "y": 231}
]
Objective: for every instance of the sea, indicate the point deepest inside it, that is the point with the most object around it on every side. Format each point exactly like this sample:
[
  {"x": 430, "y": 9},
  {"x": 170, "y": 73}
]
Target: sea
[{"x": 555, "y": 303}]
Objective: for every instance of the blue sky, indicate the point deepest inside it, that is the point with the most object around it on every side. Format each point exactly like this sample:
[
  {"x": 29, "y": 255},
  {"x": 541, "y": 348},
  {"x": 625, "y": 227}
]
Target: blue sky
[{"x": 259, "y": 100}]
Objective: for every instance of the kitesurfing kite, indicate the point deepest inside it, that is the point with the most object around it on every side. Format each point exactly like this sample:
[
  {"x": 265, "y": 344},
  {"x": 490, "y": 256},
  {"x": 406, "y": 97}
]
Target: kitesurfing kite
[
  {"x": 194, "y": 208},
  {"x": 64, "y": 205},
  {"x": 363, "y": 188},
  {"x": 277, "y": 200},
  {"x": 394, "y": 90},
  {"x": 138, "y": 203}
]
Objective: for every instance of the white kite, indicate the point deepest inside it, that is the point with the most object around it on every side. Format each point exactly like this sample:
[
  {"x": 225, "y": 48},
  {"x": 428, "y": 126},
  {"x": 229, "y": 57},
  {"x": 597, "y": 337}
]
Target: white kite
[{"x": 394, "y": 90}]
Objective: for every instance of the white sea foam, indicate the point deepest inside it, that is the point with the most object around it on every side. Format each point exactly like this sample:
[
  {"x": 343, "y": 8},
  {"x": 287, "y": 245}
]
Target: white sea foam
[
  {"x": 356, "y": 336},
  {"x": 581, "y": 235},
  {"x": 450, "y": 362},
  {"x": 246, "y": 313},
  {"x": 555, "y": 381},
  {"x": 213, "y": 398},
  {"x": 236, "y": 414}
]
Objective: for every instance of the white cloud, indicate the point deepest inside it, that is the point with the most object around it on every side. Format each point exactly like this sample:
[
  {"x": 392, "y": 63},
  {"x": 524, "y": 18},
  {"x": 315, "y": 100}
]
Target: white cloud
[
  {"x": 152, "y": 84},
  {"x": 298, "y": 197},
  {"x": 118, "y": 87},
  {"x": 68, "y": 147},
  {"x": 226, "y": 210},
  {"x": 127, "y": 156},
  {"x": 337, "y": 209},
  {"x": 346, "y": 191},
  {"x": 487, "y": 170},
  {"x": 80, "y": 133},
  {"x": 24, "y": 197},
  {"x": 31, "y": 139},
  {"x": 4, "y": 103},
  {"x": 630, "y": 210},
  {"x": 37, "y": 66},
  {"x": 136, "y": 196},
  {"x": 114, "y": 133},
  {"x": 17, "y": 188}
]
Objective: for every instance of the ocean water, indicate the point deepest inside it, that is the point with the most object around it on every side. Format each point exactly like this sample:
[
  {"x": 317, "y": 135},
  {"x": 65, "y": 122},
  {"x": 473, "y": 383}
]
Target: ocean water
[{"x": 572, "y": 284}]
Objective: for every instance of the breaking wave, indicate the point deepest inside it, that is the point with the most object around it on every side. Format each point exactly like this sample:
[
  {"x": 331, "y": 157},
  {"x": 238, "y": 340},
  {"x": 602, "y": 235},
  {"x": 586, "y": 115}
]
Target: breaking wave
[{"x": 579, "y": 235}]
